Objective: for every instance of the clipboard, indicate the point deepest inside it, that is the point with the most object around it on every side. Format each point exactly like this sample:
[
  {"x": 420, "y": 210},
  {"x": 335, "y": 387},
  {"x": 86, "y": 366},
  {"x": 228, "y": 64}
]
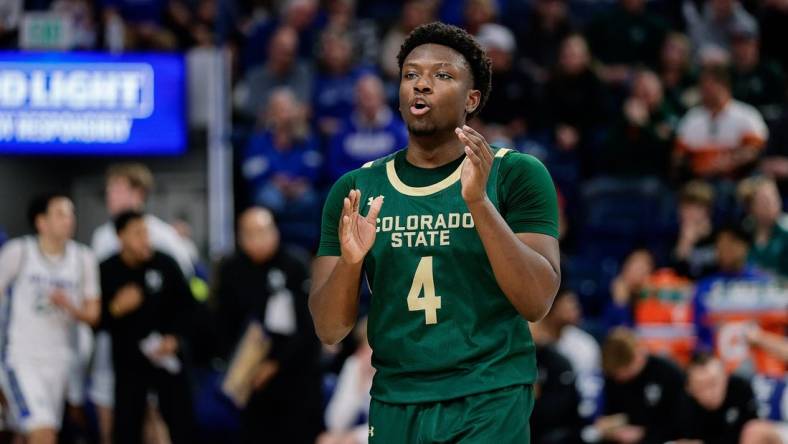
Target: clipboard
[{"x": 252, "y": 349}]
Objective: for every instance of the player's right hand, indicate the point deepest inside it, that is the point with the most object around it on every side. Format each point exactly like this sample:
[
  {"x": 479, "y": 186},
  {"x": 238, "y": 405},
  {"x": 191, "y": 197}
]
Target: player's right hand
[
  {"x": 126, "y": 300},
  {"x": 356, "y": 232}
]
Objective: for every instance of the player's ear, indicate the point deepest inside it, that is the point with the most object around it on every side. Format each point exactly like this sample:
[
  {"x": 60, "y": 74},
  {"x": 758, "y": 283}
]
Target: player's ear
[{"x": 472, "y": 100}]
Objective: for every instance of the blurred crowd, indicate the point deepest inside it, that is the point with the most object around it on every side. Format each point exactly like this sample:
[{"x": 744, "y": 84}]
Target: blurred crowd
[{"x": 664, "y": 124}]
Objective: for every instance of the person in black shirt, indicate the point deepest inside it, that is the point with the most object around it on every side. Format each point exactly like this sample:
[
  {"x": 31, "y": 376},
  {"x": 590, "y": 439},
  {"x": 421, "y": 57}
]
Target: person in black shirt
[
  {"x": 642, "y": 392},
  {"x": 718, "y": 406},
  {"x": 555, "y": 418},
  {"x": 266, "y": 283},
  {"x": 146, "y": 305}
]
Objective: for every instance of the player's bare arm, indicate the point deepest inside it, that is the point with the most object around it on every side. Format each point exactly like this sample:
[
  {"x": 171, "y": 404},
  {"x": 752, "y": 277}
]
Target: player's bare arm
[
  {"x": 526, "y": 265},
  {"x": 88, "y": 312},
  {"x": 333, "y": 298}
]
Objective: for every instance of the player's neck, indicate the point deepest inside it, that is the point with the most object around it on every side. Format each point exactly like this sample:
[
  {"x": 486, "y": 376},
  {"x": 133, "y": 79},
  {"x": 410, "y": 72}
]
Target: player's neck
[
  {"x": 50, "y": 246},
  {"x": 435, "y": 150},
  {"x": 129, "y": 259}
]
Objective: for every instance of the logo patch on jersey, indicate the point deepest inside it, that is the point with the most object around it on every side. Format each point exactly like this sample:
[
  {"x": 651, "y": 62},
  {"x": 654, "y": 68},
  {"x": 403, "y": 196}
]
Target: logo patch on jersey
[
  {"x": 153, "y": 280},
  {"x": 372, "y": 198}
]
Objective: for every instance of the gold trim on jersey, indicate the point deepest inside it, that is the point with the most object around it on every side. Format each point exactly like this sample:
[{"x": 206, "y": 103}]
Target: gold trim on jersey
[
  {"x": 398, "y": 185},
  {"x": 391, "y": 172}
]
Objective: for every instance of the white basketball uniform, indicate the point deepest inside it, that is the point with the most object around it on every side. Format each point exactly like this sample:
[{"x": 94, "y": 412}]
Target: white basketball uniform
[{"x": 38, "y": 339}]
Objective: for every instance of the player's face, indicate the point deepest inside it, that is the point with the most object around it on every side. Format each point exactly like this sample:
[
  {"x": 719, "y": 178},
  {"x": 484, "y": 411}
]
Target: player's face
[
  {"x": 121, "y": 196},
  {"x": 134, "y": 240},
  {"x": 59, "y": 220},
  {"x": 435, "y": 90}
]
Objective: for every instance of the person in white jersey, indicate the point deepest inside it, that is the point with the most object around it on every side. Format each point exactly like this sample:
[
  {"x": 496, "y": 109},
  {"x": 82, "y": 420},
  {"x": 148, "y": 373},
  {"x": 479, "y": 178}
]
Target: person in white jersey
[
  {"x": 48, "y": 285},
  {"x": 127, "y": 188}
]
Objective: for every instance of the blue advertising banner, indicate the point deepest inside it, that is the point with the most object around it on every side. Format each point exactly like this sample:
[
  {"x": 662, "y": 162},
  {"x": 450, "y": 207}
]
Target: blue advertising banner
[{"x": 92, "y": 103}]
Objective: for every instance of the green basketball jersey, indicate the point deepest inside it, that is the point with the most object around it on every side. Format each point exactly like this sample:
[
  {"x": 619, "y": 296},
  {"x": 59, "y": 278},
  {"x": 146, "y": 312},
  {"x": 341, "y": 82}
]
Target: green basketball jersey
[{"x": 439, "y": 325}]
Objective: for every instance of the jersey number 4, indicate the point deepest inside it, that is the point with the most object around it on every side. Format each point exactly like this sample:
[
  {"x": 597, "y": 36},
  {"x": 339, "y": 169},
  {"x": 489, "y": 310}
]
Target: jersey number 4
[{"x": 430, "y": 303}]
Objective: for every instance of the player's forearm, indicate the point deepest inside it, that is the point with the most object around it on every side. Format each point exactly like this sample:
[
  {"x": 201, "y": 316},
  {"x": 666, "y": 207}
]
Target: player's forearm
[
  {"x": 89, "y": 313},
  {"x": 334, "y": 304},
  {"x": 526, "y": 277}
]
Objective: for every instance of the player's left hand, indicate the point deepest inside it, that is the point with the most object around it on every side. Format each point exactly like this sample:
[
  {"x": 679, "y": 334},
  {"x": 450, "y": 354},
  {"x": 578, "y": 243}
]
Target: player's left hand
[
  {"x": 168, "y": 346},
  {"x": 59, "y": 299},
  {"x": 477, "y": 166}
]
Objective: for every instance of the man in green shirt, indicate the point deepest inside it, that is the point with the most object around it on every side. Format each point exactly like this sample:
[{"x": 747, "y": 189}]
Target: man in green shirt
[{"x": 458, "y": 241}]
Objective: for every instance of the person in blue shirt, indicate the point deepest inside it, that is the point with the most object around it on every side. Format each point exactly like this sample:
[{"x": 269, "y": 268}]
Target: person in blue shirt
[
  {"x": 281, "y": 164},
  {"x": 731, "y": 287},
  {"x": 371, "y": 131},
  {"x": 336, "y": 81}
]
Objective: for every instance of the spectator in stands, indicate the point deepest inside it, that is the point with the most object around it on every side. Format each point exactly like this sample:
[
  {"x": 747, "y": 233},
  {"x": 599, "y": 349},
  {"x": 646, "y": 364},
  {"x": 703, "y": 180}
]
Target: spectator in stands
[
  {"x": 514, "y": 91},
  {"x": 539, "y": 42},
  {"x": 718, "y": 405},
  {"x": 640, "y": 142},
  {"x": 478, "y": 13},
  {"x": 573, "y": 102},
  {"x": 560, "y": 327},
  {"x": 81, "y": 15},
  {"x": 723, "y": 137},
  {"x": 335, "y": 81},
  {"x": 282, "y": 69},
  {"x": 625, "y": 36},
  {"x": 11, "y": 13},
  {"x": 755, "y": 81},
  {"x": 714, "y": 25},
  {"x": 676, "y": 72},
  {"x": 281, "y": 164},
  {"x": 769, "y": 251},
  {"x": 371, "y": 131},
  {"x": 414, "y": 13},
  {"x": 266, "y": 282},
  {"x": 141, "y": 23},
  {"x": 128, "y": 186},
  {"x": 694, "y": 254},
  {"x": 627, "y": 285},
  {"x": 193, "y": 22},
  {"x": 146, "y": 308},
  {"x": 642, "y": 392},
  {"x": 341, "y": 18},
  {"x": 773, "y": 19},
  {"x": 348, "y": 411},
  {"x": 555, "y": 418},
  {"x": 729, "y": 291},
  {"x": 774, "y": 163}
]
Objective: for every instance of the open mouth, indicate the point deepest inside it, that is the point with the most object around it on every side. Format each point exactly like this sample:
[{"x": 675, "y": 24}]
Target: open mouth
[{"x": 419, "y": 107}]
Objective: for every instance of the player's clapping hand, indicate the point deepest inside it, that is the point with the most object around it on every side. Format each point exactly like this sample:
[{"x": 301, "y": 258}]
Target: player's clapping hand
[
  {"x": 477, "y": 167},
  {"x": 126, "y": 300},
  {"x": 356, "y": 232}
]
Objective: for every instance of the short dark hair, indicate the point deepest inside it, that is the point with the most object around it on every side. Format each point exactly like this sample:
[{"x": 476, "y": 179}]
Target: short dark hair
[
  {"x": 700, "y": 358},
  {"x": 459, "y": 40},
  {"x": 736, "y": 229},
  {"x": 40, "y": 205},
  {"x": 123, "y": 219}
]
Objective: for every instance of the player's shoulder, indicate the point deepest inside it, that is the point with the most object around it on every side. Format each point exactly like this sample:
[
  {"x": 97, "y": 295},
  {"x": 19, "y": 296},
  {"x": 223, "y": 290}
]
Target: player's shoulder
[
  {"x": 515, "y": 160},
  {"x": 372, "y": 168},
  {"x": 15, "y": 246},
  {"x": 380, "y": 162}
]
